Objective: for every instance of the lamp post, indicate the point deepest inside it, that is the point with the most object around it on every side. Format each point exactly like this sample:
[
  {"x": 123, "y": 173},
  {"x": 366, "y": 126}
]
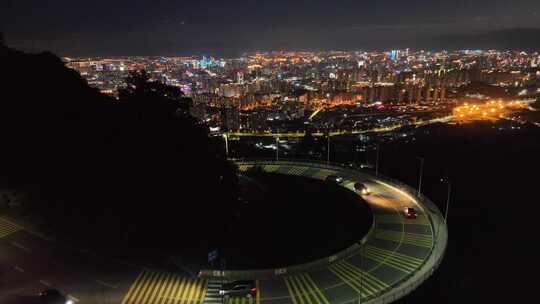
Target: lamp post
[
  {"x": 421, "y": 174},
  {"x": 226, "y": 145},
  {"x": 447, "y": 198},
  {"x": 277, "y": 148},
  {"x": 328, "y": 150}
]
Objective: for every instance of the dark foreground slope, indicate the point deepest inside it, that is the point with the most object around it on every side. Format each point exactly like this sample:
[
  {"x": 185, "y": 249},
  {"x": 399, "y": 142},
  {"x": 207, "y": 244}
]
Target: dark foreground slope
[{"x": 134, "y": 172}]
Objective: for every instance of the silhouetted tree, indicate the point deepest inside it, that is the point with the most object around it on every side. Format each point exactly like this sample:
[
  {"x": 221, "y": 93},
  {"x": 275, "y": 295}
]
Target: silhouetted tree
[{"x": 140, "y": 167}]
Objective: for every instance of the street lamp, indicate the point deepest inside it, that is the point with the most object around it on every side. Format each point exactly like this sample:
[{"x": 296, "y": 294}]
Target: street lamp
[
  {"x": 449, "y": 182},
  {"x": 226, "y": 144},
  {"x": 277, "y": 148},
  {"x": 421, "y": 174},
  {"x": 328, "y": 150}
]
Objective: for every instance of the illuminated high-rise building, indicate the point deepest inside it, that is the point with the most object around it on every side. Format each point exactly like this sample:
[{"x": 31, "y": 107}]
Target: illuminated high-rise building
[{"x": 394, "y": 55}]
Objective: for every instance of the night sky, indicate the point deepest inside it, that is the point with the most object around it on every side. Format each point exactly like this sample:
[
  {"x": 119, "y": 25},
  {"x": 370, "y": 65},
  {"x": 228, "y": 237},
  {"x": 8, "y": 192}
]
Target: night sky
[{"x": 230, "y": 27}]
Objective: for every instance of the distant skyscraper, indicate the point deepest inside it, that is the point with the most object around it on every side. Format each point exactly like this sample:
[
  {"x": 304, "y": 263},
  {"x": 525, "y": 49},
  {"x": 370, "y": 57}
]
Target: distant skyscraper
[{"x": 394, "y": 55}]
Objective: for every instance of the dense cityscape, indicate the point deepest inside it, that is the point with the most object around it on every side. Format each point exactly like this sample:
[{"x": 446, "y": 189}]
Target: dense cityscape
[
  {"x": 336, "y": 92},
  {"x": 269, "y": 152}
]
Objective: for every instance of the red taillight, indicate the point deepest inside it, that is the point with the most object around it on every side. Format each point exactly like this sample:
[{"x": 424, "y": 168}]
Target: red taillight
[{"x": 254, "y": 290}]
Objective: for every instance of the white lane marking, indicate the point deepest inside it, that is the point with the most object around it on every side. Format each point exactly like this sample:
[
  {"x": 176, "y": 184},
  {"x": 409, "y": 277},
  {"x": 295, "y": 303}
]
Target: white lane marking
[
  {"x": 20, "y": 246},
  {"x": 19, "y": 269},
  {"x": 72, "y": 298},
  {"x": 45, "y": 283},
  {"x": 106, "y": 284}
]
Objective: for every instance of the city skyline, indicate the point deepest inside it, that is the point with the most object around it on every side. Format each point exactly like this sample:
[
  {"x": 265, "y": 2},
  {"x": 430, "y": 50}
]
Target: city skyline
[
  {"x": 268, "y": 152},
  {"x": 351, "y": 92}
]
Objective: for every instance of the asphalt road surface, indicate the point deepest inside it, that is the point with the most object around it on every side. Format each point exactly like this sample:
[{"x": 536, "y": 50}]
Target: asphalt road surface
[{"x": 396, "y": 248}]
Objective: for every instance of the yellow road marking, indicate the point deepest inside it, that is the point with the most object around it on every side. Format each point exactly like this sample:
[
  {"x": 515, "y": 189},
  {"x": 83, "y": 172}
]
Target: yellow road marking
[
  {"x": 317, "y": 289},
  {"x": 159, "y": 282},
  {"x": 165, "y": 297},
  {"x": 301, "y": 281},
  {"x": 271, "y": 168},
  {"x": 159, "y": 295},
  {"x": 158, "y": 291},
  {"x": 299, "y": 292},
  {"x": 258, "y": 295},
  {"x": 142, "y": 286},
  {"x": 200, "y": 286},
  {"x": 7, "y": 228},
  {"x": 291, "y": 292},
  {"x": 155, "y": 281},
  {"x": 133, "y": 287},
  {"x": 205, "y": 288},
  {"x": 345, "y": 278},
  {"x": 182, "y": 291},
  {"x": 372, "y": 283}
]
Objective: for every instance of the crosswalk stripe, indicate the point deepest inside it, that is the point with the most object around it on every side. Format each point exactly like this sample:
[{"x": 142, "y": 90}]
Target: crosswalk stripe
[
  {"x": 316, "y": 289},
  {"x": 7, "y": 228},
  {"x": 156, "y": 289},
  {"x": 359, "y": 280},
  {"x": 271, "y": 168},
  {"x": 200, "y": 288},
  {"x": 390, "y": 258},
  {"x": 297, "y": 292},
  {"x": 153, "y": 283},
  {"x": 198, "y": 292},
  {"x": 189, "y": 295},
  {"x": 396, "y": 260},
  {"x": 258, "y": 295},
  {"x": 133, "y": 287},
  {"x": 376, "y": 281},
  {"x": 396, "y": 254},
  {"x": 165, "y": 296},
  {"x": 153, "y": 287},
  {"x": 409, "y": 234},
  {"x": 289, "y": 288},
  {"x": 182, "y": 292},
  {"x": 203, "y": 296},
  {"x": 244, "y": 168},
  {"x": 348, "y": 280},
  {"x": 303, "y": 291},
  {"x": 147, "y": 281},
  {"x": 390, "y": 262},
  {"x": 298, "y": 170},
  {"x": 367, "y": 287},
  {"x": 211, "y": 293},
  {"x": 192, "y": 288},
  {"x": 422, "y": 240},
  {"x": 163, "y": 286},
  {"x": 140, "y": 286}
]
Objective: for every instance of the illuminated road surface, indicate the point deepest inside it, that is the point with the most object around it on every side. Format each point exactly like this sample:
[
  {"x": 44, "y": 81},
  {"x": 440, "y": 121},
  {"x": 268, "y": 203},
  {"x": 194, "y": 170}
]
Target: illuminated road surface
[
  {"x": 336, "y": 133},
  {"x": 396, "y": 248}
]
